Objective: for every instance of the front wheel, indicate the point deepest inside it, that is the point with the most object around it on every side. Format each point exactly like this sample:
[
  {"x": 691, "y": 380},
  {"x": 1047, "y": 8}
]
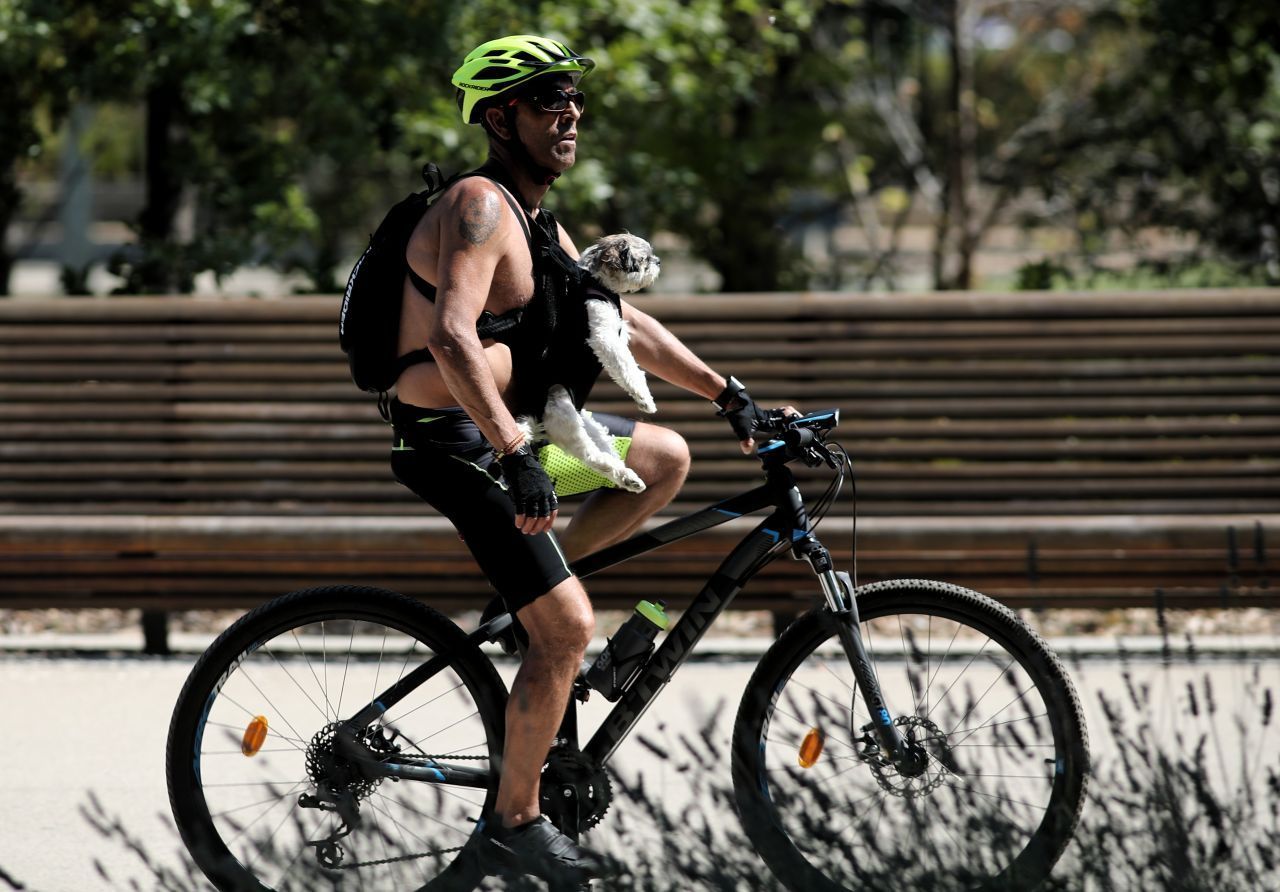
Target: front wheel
[
  {"x": 977, "y": 693},
  {"x": 261, "y": 792}
]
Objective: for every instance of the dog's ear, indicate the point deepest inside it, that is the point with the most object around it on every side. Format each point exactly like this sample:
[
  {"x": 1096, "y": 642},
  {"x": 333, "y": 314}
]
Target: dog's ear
[
  {"x": 626, "y": 259},
  {"x": 613, "y": 253}
]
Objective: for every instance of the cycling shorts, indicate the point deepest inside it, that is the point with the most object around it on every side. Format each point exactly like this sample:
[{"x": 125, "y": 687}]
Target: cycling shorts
[{"x": 443, "y": 458}]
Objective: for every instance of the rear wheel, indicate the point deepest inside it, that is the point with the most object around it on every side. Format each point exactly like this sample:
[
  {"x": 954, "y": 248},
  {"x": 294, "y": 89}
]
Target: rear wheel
[
  {"x": 251, "y": 747},
  {"x": 998, "y": 793}
]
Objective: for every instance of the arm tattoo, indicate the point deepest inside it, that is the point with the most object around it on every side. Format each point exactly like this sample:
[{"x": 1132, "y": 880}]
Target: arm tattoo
[{"x": 479, "y": 219}]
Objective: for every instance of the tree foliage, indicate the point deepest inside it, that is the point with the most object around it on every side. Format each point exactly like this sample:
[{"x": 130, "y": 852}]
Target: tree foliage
[
  {"x": 290, "y": 126},
  {"x": 1184, "y": 134}
]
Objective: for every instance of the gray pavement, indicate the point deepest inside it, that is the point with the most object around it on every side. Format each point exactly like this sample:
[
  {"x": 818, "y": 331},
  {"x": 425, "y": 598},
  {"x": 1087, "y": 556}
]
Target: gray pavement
[{"x": 81, "y": 725}]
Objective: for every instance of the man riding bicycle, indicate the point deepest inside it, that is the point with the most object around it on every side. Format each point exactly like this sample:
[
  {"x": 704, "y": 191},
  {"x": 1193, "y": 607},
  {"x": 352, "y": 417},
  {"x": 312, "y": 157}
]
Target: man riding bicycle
[{"x": 457, "y": 444}]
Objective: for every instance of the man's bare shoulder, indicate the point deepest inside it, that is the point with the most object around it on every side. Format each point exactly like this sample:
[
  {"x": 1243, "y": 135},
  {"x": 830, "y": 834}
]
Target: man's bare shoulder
[{"x": 473, "y": 212}]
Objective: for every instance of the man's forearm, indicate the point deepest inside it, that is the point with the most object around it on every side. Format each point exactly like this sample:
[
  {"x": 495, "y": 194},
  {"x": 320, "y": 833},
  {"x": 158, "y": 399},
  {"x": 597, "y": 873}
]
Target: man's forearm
[
  {"x": 658, "y": 351},
  {"x": 470, "y": 380}
]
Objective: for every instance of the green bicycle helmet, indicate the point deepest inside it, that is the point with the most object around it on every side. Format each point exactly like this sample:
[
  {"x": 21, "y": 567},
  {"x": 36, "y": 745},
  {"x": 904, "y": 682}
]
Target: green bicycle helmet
[{"x": 496, "y": 68}]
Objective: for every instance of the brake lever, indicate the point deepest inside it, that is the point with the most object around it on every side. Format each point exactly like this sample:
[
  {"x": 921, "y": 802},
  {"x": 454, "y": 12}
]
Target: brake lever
[
  {"x": 822, "y": 450},
  {"x": 775, "y": 423}
]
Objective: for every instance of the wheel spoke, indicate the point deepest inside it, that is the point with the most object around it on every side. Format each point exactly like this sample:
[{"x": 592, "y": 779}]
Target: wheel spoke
[
  {"x": 958, "y": 677},
  {"x": 994, "y": 681},
  {"x": 428, "y": 703},
  {"x": 345, "y": 667},
  {"x": 987, "y": 723},
  {"x": 253, "y": 714},
  {"x": 416, "y": 743},
  {"x": 1025, "y": 718}
]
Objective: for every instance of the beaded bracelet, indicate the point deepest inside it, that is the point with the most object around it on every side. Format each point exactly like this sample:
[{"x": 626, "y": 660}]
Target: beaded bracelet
[{"x": 510, "y": 448}]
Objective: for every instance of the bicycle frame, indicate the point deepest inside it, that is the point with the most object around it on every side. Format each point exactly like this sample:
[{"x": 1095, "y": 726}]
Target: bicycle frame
[{"x": 789, "y": 519}]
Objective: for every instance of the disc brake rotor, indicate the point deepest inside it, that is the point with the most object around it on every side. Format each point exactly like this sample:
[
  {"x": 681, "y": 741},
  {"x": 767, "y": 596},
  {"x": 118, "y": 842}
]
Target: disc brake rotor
[{"x": 920, "y": 734}]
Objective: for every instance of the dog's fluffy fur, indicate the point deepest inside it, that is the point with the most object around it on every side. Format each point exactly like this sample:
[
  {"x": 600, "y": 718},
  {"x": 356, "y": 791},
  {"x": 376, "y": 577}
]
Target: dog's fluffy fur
[{"x": 623, "y": 263}]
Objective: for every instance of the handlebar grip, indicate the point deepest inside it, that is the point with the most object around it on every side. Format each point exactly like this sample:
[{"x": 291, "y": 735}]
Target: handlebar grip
[{"x": 799, "y": 437}]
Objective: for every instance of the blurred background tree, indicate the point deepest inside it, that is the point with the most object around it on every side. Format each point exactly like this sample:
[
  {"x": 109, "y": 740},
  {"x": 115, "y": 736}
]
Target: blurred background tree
[
  {"x": 31, "y": 88},
  {"x": 276, "y": 132},
  {"x": 1182, "y": 132}
]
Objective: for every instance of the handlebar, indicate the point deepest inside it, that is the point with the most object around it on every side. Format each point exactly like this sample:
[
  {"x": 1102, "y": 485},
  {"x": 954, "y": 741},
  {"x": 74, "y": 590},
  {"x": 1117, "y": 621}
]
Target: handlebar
[{"x": 799, "y": 437}]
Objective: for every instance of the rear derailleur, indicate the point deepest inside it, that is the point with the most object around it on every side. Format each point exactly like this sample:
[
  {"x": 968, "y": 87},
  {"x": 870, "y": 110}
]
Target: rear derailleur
[{"x": 340, "y": 786}]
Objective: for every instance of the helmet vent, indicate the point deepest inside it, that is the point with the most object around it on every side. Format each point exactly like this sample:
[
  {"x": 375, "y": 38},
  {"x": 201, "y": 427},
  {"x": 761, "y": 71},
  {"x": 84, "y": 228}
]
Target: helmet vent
[
  {"x": 496, "y": 72},
  {"x": 493, "y": 53},
  {"x": 528, "y": 57}
]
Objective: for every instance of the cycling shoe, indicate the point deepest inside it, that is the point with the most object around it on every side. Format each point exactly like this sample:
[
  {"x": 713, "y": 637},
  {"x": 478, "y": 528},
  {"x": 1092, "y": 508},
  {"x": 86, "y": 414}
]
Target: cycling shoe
[{"x": 540, "y": 849}]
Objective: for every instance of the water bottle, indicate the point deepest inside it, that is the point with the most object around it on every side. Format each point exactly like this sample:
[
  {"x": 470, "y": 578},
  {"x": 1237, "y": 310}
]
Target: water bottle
[{"x": 627, "y": 650}]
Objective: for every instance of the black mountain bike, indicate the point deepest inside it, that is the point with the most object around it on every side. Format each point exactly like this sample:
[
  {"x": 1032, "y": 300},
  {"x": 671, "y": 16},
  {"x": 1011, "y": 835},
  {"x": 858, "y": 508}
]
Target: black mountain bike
[{"x": 904, "y": 734}]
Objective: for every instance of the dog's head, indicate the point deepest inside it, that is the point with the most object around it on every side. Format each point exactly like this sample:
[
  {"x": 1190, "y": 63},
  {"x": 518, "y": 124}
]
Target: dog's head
[{"x": 624, "y": 263}]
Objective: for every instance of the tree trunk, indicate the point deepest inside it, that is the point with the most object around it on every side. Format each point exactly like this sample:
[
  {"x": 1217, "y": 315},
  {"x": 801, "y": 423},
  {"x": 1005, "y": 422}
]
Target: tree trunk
[
  {"x": 748, "y": 255},
  {"x": 963, "y": 138},
  {"x": 164, "y": 185},
  {"x": 747, "y": 248},
  {"x": 153, "y": 274},
  {"x": 10, "y": 197}
]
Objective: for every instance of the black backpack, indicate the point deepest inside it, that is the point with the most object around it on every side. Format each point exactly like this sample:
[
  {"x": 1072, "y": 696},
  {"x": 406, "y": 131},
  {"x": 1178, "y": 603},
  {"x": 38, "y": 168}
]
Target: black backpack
[{"x": 369, "y": 324}]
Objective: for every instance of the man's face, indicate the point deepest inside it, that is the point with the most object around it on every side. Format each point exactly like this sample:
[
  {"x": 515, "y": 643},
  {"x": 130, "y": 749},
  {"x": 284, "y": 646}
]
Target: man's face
[{"x": 551, "y": 137}]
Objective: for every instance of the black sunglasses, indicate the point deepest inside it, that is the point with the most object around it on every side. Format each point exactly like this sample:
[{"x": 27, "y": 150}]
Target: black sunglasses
[{"x": 556, "y": 100}]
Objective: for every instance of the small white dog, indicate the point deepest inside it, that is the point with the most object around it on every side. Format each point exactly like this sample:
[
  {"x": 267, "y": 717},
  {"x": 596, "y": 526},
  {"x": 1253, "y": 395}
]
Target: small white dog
[{"x": 624, "y": 263}]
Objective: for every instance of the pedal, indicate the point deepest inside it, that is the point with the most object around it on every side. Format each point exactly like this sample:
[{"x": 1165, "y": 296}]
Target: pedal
[
  {"x": 582, "y": 690},
  {"x": 513, "y": 639}
]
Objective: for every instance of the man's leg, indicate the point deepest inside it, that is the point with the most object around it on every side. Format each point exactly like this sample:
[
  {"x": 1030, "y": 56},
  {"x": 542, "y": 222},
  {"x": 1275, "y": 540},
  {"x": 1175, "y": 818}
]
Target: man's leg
[
  {"x": 560, "y": 624},
  {"x": 661, "y": 457}
]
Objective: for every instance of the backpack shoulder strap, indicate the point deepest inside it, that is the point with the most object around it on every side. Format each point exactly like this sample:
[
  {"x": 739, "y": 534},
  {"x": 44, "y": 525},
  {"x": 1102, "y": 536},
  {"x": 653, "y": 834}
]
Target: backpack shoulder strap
[{"x": 438, "y": 186}]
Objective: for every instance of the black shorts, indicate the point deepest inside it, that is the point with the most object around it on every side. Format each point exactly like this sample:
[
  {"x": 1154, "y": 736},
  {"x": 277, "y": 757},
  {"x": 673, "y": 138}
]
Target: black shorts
[{"x": 443, "y": 458}]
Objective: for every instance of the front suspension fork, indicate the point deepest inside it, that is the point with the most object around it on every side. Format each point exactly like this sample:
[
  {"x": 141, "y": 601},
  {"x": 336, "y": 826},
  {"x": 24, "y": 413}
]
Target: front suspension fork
[{"x": 838, "y": 589}]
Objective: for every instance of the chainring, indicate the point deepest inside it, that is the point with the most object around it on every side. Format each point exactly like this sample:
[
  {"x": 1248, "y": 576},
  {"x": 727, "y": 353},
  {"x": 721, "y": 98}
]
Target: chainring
[{"x": 591, "y": 784}]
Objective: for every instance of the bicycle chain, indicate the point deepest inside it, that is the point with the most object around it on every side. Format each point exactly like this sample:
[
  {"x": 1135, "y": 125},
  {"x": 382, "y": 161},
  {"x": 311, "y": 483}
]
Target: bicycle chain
[{"x": 382, "y": 861}]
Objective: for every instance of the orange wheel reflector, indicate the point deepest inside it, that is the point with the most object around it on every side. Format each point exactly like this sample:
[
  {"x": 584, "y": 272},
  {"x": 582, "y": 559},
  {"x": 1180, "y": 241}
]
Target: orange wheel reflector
[
  {"x": 811, "y": 748},
  {"x": 254, "y": 735}
]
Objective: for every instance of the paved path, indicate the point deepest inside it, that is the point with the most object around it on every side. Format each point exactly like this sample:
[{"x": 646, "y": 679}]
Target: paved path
[{"x": 76, "y": 725}]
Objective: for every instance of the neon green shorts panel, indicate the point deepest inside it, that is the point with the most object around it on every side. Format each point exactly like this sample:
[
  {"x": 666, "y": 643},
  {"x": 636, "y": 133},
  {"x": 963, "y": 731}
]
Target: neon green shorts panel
[{"x": 570, "y": 476}]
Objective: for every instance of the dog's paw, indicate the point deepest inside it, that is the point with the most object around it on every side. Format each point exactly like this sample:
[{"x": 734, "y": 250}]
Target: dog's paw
[
  {"x": 629, "y": 480},
  {"x": 623, "y": 262}
]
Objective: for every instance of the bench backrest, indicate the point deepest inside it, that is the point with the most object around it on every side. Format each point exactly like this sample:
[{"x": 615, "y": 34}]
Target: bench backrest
[{"x": 953, "y": 404}]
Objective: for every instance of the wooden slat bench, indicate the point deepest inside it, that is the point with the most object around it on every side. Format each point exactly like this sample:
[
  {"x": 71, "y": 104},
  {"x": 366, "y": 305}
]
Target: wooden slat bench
[{"x": 1052, "y": 449}]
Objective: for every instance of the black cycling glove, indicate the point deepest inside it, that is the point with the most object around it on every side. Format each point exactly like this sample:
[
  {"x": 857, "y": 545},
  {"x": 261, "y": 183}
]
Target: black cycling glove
[
  {"x": 528, "y": 484},
  {"x": 733, "y": 403}
]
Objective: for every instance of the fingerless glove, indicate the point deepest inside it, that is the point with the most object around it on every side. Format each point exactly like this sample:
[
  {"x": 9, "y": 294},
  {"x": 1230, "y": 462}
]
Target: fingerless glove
[
  {"x": 530, "y": 488},
  {"x": 736, "y": 405}
]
